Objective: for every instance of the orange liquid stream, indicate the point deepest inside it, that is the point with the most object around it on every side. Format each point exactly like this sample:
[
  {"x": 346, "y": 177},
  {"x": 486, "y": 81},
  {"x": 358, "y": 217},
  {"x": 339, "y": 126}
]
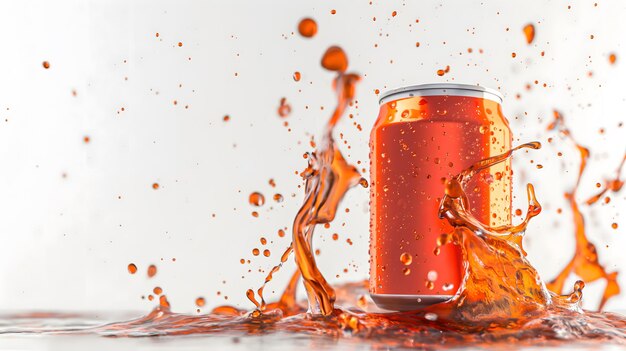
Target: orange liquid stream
[{"x": 585, "y": 262}]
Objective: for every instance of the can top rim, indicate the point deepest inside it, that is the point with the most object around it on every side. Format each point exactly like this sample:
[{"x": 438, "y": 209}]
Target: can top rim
[{"x": 445, "y": 88}]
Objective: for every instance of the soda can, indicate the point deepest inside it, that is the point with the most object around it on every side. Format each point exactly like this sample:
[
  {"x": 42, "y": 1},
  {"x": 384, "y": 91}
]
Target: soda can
[{"x": 425, "y": 134}]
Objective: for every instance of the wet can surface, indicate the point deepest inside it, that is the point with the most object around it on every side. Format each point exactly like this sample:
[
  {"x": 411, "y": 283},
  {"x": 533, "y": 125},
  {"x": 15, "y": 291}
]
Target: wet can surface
[{"x": 425, "y": 134}]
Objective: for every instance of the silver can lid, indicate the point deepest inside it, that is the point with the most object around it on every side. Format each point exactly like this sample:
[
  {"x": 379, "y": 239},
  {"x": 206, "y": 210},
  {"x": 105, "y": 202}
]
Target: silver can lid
[{"x": 451, "y": 89}]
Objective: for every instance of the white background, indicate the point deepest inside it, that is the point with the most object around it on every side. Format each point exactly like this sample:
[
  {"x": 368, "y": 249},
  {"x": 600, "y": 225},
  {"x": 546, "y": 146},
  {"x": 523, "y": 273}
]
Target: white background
[{"x": 65, "y": 242}]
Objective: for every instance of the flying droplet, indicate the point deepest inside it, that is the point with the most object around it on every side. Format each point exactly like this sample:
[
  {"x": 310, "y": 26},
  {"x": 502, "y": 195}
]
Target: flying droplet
[
  {"x": 529, "y": 32},
  {"x": 256, "y": 199},
  {"x": 152, "y": 271},
  {"x": 307, "y": 27},
  {"x": 132, "y": 268},
  {"x": 284, "y": 109},
  {"x": 335, "y": 59},
  {"x": 441, "y": 72}
]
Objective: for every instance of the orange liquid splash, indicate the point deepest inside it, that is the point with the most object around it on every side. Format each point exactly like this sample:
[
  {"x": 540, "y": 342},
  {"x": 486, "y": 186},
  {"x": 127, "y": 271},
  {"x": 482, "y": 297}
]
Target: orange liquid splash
[
  {"x": 502, "y": 299},
  {"x": 585, "y": 262},
  {"x": 327, "y": 178},
  {"x": 613, "y": 185}
]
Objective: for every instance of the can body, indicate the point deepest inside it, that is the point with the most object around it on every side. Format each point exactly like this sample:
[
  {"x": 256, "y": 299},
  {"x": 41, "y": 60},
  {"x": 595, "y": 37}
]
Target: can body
[{"x": 423, "y": 135}]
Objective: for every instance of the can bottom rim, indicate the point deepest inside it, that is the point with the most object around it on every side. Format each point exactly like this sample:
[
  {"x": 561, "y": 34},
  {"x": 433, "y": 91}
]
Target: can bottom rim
[{"x": 394, "y": 302}]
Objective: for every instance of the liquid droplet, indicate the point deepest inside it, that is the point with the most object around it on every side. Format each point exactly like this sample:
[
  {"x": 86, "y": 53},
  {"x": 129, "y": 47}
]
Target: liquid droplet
[
  {"x": 307, "y": 27},
  {"x": 432, "y": 276},
  {"x": 406, "y": 258},
  {"x": 361, "y": 301},
  {"x": 441, "y": 72},
  {"x": 284, "y": 109},
  {"x": 529, "y": 32},
  {"x": 335, "y": 59},
  {"x": 132, "y": 268},
  {"x": 152, "y": 271},
  {"x": 256, "y": 199}
]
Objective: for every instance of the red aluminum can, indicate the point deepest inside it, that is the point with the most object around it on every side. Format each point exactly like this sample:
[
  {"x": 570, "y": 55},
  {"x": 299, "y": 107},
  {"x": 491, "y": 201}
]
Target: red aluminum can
[{"x": 425, "y": 134}]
